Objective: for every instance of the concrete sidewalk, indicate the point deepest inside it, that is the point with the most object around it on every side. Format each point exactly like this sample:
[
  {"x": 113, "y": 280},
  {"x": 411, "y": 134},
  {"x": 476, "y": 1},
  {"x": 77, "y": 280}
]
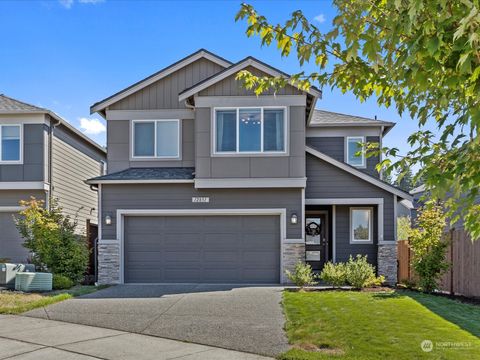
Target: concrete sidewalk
[{"x": 24, "y": 338}]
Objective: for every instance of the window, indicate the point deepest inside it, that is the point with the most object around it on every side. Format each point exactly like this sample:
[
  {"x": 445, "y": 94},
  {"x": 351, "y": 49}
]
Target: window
[
  {"x": 361, "y": 225},
  {"x": 11, "y": 144},
  {"x": 156, "y": 139},
  {"x": 250, "y": 130},
  {"x": 354, "y": 146}
]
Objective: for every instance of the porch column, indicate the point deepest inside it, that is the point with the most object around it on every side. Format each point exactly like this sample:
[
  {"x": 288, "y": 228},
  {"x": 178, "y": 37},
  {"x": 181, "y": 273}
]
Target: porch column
[
  {"x": 387, "y": 262},
  {"x": 293, "y": 251}
]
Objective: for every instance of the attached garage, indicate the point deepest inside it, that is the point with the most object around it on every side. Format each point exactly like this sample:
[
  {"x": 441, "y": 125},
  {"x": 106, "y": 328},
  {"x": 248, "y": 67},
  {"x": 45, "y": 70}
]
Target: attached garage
[
  {"x": 10, "y": 240},
  {"x": 201, "y": 248}
]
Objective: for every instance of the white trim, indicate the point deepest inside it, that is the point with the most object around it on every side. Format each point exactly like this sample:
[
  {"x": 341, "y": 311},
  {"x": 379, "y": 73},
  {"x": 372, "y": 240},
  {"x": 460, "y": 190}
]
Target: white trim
[
  {"x": 155, "y": 157},
  {"x": 171, "y": 69},
  {"x": 243, "y": 183},
  {"x": 345, "y": 201},
  {"x": 121, "y": 213},
  {"x": 303, "y": 214},
  {"x": 395, "y": 204},
  {"x": 340, "y": 131},
  {"x": 99, "y": 213},
  {"x": 24, "y": 185},
  {"x": 174, "y": 181},
  {"x": 108, "y": 242},
  {"x": 359, "y": 174},
  {"x": 183, "y": 114},
  {"x": 250, "y": 101},
  {"x": 20, "y": 138},
  {"x": 237, "y": 152},
  {"x": 23, "y": 117},
  {"x": 233, "y": 70},
  {"x": 11, "y": 208},
  {"x": 334, "y": 234},
  {"x": 370, "y": 225},
  {"x": 363, "y": 165}
]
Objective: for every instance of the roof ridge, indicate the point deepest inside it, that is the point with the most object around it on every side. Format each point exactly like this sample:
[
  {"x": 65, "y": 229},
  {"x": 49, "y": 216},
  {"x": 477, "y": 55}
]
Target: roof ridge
[{"x": 356, "y": 116}]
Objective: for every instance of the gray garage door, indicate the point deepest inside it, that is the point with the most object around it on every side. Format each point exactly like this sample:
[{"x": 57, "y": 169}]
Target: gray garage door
[
  {"x": 209, "y": 249},
  {"x": 10, "y": 240}
]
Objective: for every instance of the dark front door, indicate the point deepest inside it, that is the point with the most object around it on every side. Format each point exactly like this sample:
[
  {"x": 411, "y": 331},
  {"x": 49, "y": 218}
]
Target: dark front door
[{"x": 316, "y": 240}]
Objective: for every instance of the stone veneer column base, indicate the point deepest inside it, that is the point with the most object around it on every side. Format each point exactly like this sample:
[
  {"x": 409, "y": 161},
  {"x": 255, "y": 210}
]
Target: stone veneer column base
[
  {"x": 292, "y": 253},
  {"x": 387, "y": 262},
  {"x": 108, "y": 263}
]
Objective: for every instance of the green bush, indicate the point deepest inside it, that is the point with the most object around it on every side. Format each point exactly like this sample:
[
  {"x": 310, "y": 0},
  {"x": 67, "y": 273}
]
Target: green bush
[
  {"x": 334, "y": 274},
  {"x": 61, "y": 282},
  {"x": 359, "y": 272},
  {"x": 52, "y": 240},
  {"x": 302, "y": 275}
]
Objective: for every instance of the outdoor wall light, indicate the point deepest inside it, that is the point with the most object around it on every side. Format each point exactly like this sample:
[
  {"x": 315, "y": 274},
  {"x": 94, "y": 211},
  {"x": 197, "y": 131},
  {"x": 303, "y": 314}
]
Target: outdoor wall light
[
  {"x": 108, "y": 220},
  {"x": 294, "y": 219}
]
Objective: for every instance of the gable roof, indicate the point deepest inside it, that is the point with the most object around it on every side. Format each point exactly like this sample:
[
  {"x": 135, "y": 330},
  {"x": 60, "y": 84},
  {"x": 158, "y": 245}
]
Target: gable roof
[
  {"x": 9, "y": 105},
  {"x": 360, "y": 174},
  {"x": 322, "y": 118},
  {"x": 202, "y": 53},
  {"x": 233, "y": 69}
]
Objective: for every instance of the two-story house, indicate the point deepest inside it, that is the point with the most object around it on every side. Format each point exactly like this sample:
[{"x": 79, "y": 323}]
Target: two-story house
[
  {"x": 43, "y": 156},
  {"x": 209, "y": 183}
]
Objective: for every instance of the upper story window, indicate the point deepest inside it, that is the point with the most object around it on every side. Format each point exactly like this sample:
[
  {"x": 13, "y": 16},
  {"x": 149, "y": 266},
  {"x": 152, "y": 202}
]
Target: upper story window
[
  {"x": 158, "y": 139},
  {"x": 250, "y": 130},
  {"x": 361, "y": 225},
  {"x": 352, "y": 147},
  {"x": 11, "y": 144}
]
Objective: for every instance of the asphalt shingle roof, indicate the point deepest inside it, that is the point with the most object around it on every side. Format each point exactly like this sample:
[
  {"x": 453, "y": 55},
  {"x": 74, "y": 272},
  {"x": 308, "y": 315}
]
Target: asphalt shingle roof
[
  {"x": 9, "y": 104},
  {"x": 328, "y": 118},
  {"x": 161, "y": 173}
]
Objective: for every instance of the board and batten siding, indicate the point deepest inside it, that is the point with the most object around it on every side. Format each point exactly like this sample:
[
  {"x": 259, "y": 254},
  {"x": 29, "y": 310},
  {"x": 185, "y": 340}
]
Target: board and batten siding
[
  {"x": 119, "y": 147},
  {"x": 179, "y": 196},
  {"x": 291, "y": 165},
  {"x": 335, "y": 148},
  {"x": 70, "y": 168},
  {"x": 163, "y": 94}
]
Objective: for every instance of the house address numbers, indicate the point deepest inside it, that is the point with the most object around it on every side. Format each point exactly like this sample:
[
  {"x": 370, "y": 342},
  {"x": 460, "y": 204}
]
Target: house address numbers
[{"x": 200, "y": 199}]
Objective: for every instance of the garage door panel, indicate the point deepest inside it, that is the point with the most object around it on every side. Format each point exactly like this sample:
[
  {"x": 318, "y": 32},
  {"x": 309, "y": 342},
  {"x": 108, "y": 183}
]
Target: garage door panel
[{"x": 237, "y": 249}]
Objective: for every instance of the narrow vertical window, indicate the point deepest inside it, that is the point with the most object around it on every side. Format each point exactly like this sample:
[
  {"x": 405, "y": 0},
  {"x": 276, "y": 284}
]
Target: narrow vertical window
[
  {"x": 250, "y": 130},
  {"x": 10, "y": 139},
  {"x": 144, "y": 139},
  {"x": 353, "y": 147},
  {"x": 361, "y": 225},
  {"x": 274, "y": 132},
  {"x": 226, "y": 130}
]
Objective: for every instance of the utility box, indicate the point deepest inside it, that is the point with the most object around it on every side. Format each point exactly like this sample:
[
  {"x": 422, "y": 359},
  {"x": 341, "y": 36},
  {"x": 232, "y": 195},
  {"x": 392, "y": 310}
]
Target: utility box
[
  {"x": 25, "y": 281},
  {"x": 8, "y": 272}
]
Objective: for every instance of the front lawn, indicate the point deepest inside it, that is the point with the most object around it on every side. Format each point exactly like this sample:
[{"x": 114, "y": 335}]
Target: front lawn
[
  {"x": 375, "y": 325},
  {"x": 13, "y": 302}
]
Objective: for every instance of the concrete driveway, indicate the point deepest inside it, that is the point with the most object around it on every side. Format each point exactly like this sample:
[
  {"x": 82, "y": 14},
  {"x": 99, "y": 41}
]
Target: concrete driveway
[{"x": 232, "y": 317}]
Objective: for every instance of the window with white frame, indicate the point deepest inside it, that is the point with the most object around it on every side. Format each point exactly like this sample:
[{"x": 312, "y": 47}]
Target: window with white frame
[
  {"x": 156, "y": 139},
  {"x": 250, "y": 130},
  {"x": 361, "y": 225},
  {"x": 353, "y": 146},
  {"x": 10, "y": 144}
]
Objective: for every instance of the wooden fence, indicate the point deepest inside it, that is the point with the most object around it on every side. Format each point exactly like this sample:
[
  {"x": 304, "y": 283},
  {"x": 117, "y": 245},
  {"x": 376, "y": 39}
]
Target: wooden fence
[{"x": 463, "y": 276}]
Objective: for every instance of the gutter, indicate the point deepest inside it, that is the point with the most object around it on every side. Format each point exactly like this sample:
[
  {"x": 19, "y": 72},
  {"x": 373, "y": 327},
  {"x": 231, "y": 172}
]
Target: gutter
[{"x": 50, "y": 167}]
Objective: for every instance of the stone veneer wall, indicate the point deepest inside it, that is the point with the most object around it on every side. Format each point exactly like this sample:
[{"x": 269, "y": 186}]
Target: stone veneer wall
[
  {"x": 292, "y": 253},
  {"x": 387, "y": 262},
  {"x": 109, "y": 263}
]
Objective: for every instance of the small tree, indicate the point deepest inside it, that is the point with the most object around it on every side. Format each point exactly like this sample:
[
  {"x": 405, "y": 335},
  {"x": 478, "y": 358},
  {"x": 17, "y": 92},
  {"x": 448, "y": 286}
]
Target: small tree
[
  {"x": 428, "y": 246},
  {"x": 403, "y": 227},
  {"x": 51, "y": 238},
  {"x": 302, "y": 275}
]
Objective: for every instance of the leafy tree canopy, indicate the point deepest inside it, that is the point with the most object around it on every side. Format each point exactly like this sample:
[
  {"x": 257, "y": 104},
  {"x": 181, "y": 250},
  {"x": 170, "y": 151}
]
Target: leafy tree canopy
[{"x": 422, "y": 57}]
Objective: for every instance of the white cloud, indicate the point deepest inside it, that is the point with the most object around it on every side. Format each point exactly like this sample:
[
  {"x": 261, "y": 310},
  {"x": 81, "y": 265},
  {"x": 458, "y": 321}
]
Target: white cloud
[
  {"x": 67, "y": 4},
  {"x": 320, "y": 18},
  {"x": 90, "y": 1},
  {"x": 91, "y": 126}
]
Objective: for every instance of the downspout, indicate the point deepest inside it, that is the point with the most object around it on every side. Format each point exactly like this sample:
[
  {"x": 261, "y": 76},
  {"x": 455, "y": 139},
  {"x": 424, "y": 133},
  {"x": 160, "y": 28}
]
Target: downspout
[
  {"x": 50, "y": 167},
  {"x": 381, "y": 152}
]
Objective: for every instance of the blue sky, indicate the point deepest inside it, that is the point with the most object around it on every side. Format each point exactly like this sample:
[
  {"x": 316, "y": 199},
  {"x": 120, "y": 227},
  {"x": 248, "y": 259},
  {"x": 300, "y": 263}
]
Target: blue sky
[{"x": 66, "y": 55}]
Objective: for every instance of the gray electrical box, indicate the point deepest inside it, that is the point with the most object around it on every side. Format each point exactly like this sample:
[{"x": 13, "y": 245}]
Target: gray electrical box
[{"x": 9, "y": 271}]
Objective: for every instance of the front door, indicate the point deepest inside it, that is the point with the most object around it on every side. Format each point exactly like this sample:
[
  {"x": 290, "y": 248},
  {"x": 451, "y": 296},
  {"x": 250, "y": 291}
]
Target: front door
[{"x": 316, "y": 240}]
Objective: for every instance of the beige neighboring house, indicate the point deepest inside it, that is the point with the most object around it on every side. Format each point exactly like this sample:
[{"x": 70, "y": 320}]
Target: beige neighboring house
[{"x": 43, "y": 156}]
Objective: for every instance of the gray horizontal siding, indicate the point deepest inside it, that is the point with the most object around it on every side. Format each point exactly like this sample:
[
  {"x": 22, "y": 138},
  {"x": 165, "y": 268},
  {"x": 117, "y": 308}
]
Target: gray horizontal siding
[
  {"x": 327, "y": 181},
  {"x": 163, "y": 94},
  {"x": 118, "y": 144},
  {"x": 13, "y": 197},
  {"x": 232, "y": 87},
  {"x": 335, "y": 147},
  {"x": 72, "y": 139},
  {"x": 179, "y": 196}
]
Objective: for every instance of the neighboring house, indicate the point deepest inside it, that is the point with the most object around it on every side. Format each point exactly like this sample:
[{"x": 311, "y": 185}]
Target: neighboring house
[
  {"x": 43, "y": 156},
  {"x": 209, "y": 183}
]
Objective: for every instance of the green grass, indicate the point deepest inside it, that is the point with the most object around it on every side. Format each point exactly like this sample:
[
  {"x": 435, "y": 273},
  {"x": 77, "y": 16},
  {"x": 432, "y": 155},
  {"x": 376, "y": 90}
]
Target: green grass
[
  {"x": 370, "y": 325},
  {"x": 16, "y": 303}
]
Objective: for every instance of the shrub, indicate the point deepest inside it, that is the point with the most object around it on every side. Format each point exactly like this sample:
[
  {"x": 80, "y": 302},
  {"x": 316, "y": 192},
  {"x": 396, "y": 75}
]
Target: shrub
[
  {"x": 403, "y": 227},
  {"x": 302, "y": 275},
  {"x": 334, "y": 274},
  {"x": 61, "y": 282},
  {"x": 375, "y": 281},
  {"x": 359, "y": 272},
  {"x": 428, "y": 246},
  {"x": 51, "y": 238}
]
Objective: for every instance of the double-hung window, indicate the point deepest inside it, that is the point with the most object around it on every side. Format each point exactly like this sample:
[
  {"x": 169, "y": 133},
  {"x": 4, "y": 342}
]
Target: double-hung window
[
  {"x": 354, "y": 146},
  {"x": 10, "y": 144},
  {"x": 361, "y": 220},
  {"x": 156, "y": 139},
  {"x": 250, "y": 130}
]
